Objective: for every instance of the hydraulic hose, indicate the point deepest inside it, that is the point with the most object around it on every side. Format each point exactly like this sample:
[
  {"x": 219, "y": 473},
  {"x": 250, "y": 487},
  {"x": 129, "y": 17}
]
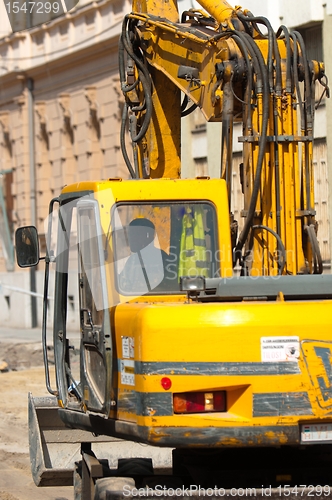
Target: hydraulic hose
[
  {"x": 266, "y": 23},
  {"x": 297, "y": 83},
  {"x": 263, "y": 140},
  {"x": 308, "y": 110},
  {"x": 187, "y": 112},
  {"x": 284, "y": 30},
  {"x": 307, "y": 83},
  {"x": 244, "y": 51},
  {"x": 247, "y": 48},
  {"x": 246, "y": 18},
  {"x": 145, "y": 79},
  {"x": 123, "y": 142},
  {"x": 184, "y": 103},
  {"x": 317, "y": 257},
  {"x": 281, "y": 245}
]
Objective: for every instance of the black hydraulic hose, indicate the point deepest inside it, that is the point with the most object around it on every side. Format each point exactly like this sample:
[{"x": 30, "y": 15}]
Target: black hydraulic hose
[
  {"x": 309, "y": 110},
  {"x": 262, "y": 81},
  {"x": 184, "y": 103},
  {"x": 245, "y": 20},
  {"x": 279, "y": 240},
  {"x": 257, "y": 59},
  {"x": 244, "y": 47},
  {"x": 244, "y": 51},
  {"x": 284, "y": 30},
  {"x": 277, "y": 67},
  {"x": 318, "y": 261},
  {"x": 262, "y": 144},
  {"x": 148, "y": 107},
  {"x": 248, "y": 46},
  {"x": 296, "y": 82},
  {"x": 129, "y": 88},
  {"x": 125, "y": 88},
  {"x": 278, "y": 95},
  {"x": 257, "y": 69},
  {"x": 281, "y": 30},
  {"x": 145, "y": 79},
  {"x": 187, "y": 112},
  {"x": 223, "y": 34},
  {"x": 122, "y": 70},
  {"x": 236, "y": 35},
  {"x": 323, "y": 80},
  {"x": 184, "y": 110},
  {"x": 307, "y": 83},
  {"x": 271, "y": 46},
  {"x": 139, "y": 108},
  {"x": 129, "y": 49},
  {"x": 123, "y": 141}
]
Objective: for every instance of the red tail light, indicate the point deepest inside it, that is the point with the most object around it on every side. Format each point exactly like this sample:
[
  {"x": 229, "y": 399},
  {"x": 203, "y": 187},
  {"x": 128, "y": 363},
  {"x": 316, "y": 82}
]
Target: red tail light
[{"x": 199, "y": 402}]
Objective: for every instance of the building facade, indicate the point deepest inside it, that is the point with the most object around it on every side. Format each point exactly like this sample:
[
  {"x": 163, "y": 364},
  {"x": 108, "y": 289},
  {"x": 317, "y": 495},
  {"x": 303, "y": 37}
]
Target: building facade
[{"x": 60, "y": 111}]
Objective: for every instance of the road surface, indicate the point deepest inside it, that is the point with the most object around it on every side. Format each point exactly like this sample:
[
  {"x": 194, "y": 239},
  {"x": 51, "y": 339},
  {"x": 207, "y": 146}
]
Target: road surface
[{"x": 21, "y": 351}]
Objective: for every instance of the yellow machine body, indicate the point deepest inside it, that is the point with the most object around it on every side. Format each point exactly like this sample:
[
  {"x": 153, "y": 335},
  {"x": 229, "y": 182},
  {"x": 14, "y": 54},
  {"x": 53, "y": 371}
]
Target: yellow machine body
[
  {"x": 266, "y": 401},
  {"x": 270, "y": 359}
]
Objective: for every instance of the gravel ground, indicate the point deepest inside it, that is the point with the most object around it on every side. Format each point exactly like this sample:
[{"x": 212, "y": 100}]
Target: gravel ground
[{"x": 21, "y": 371}]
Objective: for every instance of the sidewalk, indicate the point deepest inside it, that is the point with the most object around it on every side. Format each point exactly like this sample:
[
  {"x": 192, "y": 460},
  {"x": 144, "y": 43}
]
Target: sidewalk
[
  {"x": 33, "y": 335},
  {"x": 18, "y": 335}
]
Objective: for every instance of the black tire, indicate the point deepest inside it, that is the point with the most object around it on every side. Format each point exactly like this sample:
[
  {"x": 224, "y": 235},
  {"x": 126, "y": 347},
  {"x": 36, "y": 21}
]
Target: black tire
[
  {"x": 112, "y": 487},
  {"x": 77, "y": 481},
  {"x": 131, "y": 467}
]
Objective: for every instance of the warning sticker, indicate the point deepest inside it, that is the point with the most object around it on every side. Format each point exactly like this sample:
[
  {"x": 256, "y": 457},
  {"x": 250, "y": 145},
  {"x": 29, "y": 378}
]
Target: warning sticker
[
  {"x": 280, "y": 349},
  {"x": 127, "y": 370},
  {"x": 127, "y": 347}
]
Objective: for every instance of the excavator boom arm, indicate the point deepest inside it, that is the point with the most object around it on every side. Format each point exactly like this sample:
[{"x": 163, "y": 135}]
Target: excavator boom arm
[{"x": 227, "y": 67}]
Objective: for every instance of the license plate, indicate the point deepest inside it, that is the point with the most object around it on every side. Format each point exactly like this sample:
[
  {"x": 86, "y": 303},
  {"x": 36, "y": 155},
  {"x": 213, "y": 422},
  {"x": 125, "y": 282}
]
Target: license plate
[{"x": 316, "y": 433}]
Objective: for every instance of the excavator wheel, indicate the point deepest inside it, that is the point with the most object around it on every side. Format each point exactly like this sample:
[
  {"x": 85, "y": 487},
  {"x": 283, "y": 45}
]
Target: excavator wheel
[{"x": 108, "y": 488}]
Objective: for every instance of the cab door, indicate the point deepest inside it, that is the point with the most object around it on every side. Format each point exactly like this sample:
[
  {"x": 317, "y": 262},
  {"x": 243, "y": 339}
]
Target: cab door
[{"x": 95, "y": 352}]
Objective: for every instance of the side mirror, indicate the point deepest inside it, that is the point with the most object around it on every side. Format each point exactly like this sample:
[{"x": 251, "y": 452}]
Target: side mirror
[{"x": 27, "y": 246}]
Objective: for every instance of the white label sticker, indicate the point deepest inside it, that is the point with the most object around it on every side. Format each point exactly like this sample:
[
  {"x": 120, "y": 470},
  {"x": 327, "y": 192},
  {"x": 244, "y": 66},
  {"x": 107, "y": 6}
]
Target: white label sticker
[
  {"x": 280, "y": 349},
  {"x": 127, "y": 371},
  {"x": 125, "y": 347}
]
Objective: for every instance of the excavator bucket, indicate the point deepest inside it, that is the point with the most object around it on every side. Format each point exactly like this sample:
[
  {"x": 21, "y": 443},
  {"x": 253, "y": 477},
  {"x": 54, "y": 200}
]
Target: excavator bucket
[{"x": 54, "y": 448}]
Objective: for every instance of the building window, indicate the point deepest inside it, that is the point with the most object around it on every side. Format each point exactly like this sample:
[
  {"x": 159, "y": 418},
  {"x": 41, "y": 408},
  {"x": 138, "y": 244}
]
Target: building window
[
  {"x": 313, "y": 40},
  {"x": 201, "y": 167}
]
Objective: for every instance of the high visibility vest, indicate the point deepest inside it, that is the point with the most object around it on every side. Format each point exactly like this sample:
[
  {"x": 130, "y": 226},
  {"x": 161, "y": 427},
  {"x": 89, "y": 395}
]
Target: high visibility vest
[{"x": 193, "y": 255}]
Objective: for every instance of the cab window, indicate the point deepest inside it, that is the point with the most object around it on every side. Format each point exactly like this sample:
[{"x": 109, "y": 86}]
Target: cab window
[{"x": 155, "y": 244}]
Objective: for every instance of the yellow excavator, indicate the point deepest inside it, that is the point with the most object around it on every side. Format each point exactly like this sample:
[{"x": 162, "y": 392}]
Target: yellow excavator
[{"x": 212, "y": 345}]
